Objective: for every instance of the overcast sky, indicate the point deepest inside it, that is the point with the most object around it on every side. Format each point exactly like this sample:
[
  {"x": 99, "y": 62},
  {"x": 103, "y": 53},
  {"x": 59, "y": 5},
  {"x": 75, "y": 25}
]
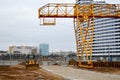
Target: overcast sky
[{"x": 19, "y": 25}]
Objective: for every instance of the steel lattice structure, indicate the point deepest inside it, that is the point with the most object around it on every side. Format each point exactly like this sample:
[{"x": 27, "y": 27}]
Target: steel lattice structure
[{"x": 83, "y": 16}]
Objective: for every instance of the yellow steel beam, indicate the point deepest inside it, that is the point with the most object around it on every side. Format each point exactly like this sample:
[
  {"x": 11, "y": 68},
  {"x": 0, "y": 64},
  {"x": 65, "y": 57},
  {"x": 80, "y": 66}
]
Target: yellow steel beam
[
  {"x": 68, "y": 10},
  {"x": 85, "y": 34},
  {"x": 57, "y": 10}
]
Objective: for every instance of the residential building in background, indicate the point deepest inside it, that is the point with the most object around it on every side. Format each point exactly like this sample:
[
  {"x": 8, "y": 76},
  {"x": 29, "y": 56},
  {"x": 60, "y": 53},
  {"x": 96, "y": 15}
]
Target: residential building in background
[
  {"x": 68, "y": 55},
  {"x": 106, "y": 43},
  {"x": 3, "y": 52},
  {"x": 44, "y": 49},
  {"x": 64, "y": 53},
  {"x": 22, "y": 50}
]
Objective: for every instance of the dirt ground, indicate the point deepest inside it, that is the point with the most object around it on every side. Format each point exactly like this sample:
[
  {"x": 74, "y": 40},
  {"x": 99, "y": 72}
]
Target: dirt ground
[
  {"x": 109, "y": 70},
  {"x": 20, "y": 73}
]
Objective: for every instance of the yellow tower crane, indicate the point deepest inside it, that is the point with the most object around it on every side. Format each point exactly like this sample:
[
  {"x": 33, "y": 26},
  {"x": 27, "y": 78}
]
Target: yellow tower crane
[{"x": 83, "y": 16}]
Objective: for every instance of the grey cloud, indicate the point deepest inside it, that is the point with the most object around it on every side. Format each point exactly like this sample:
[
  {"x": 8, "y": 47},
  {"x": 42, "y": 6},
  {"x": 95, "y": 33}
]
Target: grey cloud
[{"x": 19, "y": 25}]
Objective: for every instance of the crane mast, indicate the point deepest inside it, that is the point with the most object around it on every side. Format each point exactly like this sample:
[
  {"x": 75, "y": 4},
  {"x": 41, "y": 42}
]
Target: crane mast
[{"x": 83, "y": 16}]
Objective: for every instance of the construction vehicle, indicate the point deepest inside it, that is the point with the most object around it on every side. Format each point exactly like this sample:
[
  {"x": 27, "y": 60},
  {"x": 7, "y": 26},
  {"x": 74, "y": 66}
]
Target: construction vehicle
[
  {"x": 83, "y": 17},
  {"x": 31, "y": 62}
]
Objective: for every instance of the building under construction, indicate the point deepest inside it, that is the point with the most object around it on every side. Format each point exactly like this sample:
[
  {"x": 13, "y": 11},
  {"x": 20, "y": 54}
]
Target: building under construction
[
  {"x": 106, "y": 43},
  {"x": 96, "y": 26}
]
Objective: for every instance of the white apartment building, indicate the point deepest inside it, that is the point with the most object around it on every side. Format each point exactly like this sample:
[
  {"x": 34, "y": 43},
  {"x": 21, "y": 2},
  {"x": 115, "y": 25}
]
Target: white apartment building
[{"x": 22, "y": 50}]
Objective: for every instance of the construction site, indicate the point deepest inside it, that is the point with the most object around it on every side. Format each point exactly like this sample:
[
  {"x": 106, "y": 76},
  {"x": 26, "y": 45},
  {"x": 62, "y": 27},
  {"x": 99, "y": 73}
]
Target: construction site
[{"x": 97, "y": 35}]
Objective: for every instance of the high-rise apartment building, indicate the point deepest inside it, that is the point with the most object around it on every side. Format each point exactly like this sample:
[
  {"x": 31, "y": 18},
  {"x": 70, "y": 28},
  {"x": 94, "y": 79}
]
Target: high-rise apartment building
[
  {"x": 106, "y": 43},
  {"x": 44, "y": 49}
]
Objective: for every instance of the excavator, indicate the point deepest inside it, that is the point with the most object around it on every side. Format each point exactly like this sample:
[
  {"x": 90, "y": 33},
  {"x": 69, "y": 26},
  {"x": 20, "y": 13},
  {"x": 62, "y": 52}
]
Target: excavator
[{"x": 31, "y": 62}]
